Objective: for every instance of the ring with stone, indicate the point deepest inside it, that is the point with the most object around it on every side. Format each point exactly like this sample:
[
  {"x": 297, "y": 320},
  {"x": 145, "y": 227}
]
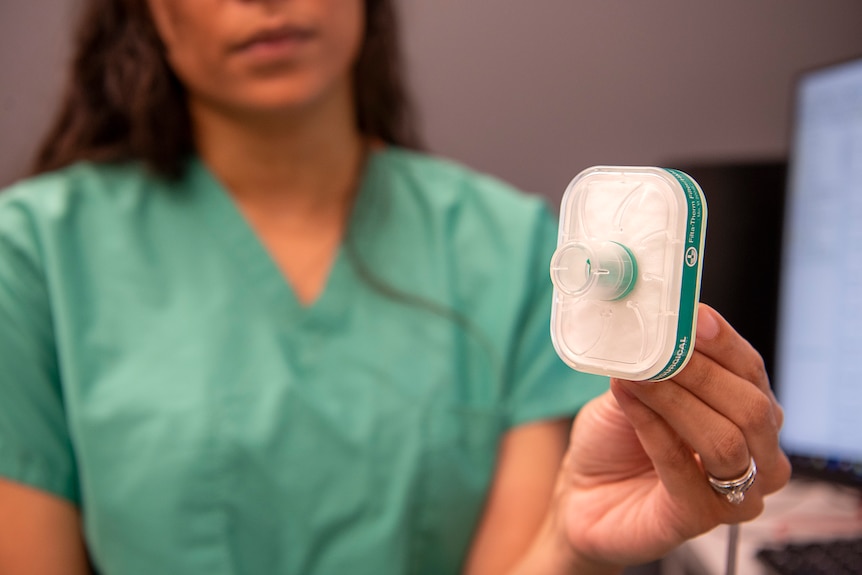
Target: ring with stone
[{"x": 734, "y": 489}]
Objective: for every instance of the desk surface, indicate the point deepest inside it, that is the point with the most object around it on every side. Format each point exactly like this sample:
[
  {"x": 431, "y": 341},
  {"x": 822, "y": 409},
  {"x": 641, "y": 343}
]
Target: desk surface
[{"x": 802, "y": 511}]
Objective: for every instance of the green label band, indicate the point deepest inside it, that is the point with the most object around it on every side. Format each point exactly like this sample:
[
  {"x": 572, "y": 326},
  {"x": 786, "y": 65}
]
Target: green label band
[{"x": 691, "y": 272}]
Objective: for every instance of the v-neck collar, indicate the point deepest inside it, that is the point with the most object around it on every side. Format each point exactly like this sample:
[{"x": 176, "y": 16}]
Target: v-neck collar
[{"x": 259, "y": 271}]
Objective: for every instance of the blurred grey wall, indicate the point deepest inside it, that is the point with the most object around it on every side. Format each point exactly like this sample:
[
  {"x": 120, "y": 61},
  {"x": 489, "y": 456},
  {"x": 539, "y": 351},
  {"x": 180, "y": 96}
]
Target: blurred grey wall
[
  {"x": 34, "y": 51},
  {"x": 535, "y": 91}
]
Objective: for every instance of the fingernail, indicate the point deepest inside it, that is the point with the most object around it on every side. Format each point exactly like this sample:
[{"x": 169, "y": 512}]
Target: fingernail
[{"x": 707, "y": 325}]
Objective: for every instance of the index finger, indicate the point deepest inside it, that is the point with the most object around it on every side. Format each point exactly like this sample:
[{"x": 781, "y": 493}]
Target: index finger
[{"x": 720, "y": 342}]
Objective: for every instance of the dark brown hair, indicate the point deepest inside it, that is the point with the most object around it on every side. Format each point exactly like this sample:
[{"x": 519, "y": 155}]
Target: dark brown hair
[{"x": 123, "y": 102}]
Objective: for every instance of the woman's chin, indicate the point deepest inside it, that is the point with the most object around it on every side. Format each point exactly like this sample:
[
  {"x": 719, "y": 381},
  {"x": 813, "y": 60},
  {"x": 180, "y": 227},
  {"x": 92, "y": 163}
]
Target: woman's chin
[{"x": 286, "y": 100}]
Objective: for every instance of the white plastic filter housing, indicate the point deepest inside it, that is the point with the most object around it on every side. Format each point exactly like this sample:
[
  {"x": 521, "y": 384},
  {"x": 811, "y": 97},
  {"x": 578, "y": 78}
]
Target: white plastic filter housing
[{"x": 627, "y": 271}]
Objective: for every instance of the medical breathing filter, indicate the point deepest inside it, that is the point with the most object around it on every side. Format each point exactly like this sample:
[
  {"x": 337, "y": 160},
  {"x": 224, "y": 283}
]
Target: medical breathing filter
[{"x": 627, "y": 270}]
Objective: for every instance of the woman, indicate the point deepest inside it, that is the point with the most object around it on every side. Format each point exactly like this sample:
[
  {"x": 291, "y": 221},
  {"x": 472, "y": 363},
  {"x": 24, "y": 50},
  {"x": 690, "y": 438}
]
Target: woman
[{"x": 246, "y": 331}]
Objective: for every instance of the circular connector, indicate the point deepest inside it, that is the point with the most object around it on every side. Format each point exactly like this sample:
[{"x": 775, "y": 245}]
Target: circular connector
[{"x": 602, "y": 270}]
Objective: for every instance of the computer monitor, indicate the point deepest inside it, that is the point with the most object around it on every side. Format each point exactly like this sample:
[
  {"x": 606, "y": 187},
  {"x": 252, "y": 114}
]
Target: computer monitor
[{"x": 818, "y": 353}]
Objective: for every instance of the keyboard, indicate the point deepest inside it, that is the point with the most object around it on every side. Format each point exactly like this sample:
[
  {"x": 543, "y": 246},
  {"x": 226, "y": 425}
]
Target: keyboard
[{"x": 833, "y": 557}]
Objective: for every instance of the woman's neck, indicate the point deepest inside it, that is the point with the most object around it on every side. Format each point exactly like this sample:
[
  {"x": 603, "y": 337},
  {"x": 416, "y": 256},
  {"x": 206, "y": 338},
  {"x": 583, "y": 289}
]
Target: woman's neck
[
  {"x": 294, "y": 177},
  {"x": 306, "y": 162}
]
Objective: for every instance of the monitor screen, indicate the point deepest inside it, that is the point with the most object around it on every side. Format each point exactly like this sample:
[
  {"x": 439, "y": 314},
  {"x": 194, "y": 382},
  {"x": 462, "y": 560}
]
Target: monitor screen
[{"x": 818, "y": 355}]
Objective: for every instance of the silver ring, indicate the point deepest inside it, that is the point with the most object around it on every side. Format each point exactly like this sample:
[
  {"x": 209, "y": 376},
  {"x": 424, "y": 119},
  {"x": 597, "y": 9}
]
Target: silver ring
[{"x": 734, "y": 489}]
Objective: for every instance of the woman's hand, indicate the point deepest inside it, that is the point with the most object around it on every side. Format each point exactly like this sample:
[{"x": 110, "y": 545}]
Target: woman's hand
[{"x": 634, "y": 481}]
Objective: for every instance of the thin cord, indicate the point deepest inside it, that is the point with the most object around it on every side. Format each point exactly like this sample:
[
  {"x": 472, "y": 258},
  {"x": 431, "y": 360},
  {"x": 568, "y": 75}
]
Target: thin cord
[{"x": 732, "y": 546}]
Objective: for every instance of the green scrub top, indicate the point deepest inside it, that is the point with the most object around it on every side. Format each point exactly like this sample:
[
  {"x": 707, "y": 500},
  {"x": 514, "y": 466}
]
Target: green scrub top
[{"x": 158, "y": 371}]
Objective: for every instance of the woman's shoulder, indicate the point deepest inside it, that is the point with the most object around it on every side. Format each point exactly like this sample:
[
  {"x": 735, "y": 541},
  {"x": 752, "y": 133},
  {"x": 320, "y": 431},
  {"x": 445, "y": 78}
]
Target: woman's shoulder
[
  {"x": 73, "y": 187},
  {"x": 80, "y": 201},
  {"x": 448, "y": 184},
  {"x": 483, "y": 228}
]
